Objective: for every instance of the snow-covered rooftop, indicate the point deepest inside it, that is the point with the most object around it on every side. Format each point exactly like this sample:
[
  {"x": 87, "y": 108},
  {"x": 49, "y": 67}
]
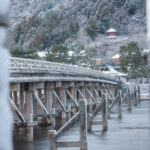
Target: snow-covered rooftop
[
  {"x": 146, "y": 51},
  {"x": 117, "y": 56},
  {"x": 71, "y": 53},
  {"x": 111, "y": 30},
  {"x": 112, "y": 71},
  {"x": 42, "y": 54}
]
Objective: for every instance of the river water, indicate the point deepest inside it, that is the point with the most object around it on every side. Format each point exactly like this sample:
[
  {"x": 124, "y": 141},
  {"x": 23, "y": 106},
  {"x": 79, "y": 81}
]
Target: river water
[
  {"x": 132, "y": 132},
  {"x": 40, "y": 142}
]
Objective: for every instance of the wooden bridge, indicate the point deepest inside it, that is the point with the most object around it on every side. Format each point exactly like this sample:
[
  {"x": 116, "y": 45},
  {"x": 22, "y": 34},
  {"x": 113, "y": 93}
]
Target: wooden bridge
[{"x": 41, "y": 91}]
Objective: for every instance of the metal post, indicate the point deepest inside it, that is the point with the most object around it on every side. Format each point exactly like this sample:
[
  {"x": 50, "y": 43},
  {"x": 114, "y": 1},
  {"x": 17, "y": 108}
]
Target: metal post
[
  {"x": 52, "y": 137},
  {"x": 83, "y": 124}
]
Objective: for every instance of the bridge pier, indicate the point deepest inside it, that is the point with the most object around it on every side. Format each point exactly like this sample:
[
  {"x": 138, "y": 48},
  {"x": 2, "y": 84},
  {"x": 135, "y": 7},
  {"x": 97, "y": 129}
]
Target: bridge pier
[
  {"x": 90, "y": 102},
  {"x": 63, "y": 98},
  {"x": 135, "y": 95},
  {"x": 129, "y": 100},
  {"x": 30, "y": 112},
  {"x": 119, "y": 104},
  {"x": 55, "y": 90},
  {"x": 50, "y": 100},
  {"x": 139, "y": 94},
  {"x": 64, "y": 86},
  {"x": 82, "y": 143},
  {"x": 104, "y": 112}
]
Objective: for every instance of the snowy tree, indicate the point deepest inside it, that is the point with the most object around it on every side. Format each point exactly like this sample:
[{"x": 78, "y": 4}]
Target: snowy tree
[
  {"x": 91, "y": 53},
  {"x": 58, "y": 53},
  {"x": 132, "y": 61},
  {"x": 21, "y": 53}
]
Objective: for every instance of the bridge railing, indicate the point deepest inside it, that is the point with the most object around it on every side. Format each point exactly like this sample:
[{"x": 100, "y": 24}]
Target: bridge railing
[{"x": 38, "y": 65}]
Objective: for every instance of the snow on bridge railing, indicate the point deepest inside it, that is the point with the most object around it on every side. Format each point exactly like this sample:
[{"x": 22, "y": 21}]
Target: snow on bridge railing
[{"x": 38, "y": 65}]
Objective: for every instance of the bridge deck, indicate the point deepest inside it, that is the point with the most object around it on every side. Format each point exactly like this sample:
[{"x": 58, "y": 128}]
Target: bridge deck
[{"x": 130, "y": 133}]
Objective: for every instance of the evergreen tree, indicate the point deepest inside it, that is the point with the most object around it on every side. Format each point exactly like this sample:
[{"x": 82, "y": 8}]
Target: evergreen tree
[
  {"x": 21, "y": 53},
  {"x": 132, "y": 61},
  {"x": 91, "y": 53},
  {"x": 18, "y": 52},
  {"x": 58, "y": 53}
]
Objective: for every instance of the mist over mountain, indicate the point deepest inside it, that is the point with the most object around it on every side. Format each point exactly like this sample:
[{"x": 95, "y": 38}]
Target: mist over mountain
[{"x": 79, "y": 24}]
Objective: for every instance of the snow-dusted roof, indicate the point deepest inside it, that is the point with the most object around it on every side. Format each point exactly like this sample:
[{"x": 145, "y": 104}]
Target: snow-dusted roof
[
  {"x": 97, "y": 59},
  {"x": 112, "y": 71},
  {"x": 117, "y": 56},
  {"x": 111, "y": 30},
  {"x": 71, "y": 53},
  {"x": 146, "y": 51},
  {"x": 42, "y": 54},
  {"x": 83, "y": 51}
]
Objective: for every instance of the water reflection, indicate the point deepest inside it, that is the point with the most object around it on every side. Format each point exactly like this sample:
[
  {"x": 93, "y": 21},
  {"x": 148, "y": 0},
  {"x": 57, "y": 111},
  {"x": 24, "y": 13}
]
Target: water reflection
[{"x": 40, "y": 142}]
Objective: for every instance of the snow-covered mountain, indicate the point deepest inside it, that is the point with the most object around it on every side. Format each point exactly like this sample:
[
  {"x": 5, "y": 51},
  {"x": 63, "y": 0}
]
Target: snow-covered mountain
[
  {"x": 28, "y": 8},
  {"x": 78, "y": 23}
]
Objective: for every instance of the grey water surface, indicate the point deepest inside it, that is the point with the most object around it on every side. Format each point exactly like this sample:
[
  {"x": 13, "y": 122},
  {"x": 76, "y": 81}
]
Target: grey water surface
[{"x": 132, "y": 132}]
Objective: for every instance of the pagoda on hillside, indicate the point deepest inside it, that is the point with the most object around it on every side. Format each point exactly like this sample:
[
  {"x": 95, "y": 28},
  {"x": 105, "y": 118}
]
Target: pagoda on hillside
[{"x": 111, "y": 32}]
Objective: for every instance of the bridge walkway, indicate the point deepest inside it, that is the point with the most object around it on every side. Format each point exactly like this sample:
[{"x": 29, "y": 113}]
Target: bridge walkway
[{"x": 132, "y": 132}]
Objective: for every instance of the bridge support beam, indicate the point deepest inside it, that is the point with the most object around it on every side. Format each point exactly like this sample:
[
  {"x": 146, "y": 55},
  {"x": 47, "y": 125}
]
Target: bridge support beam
[
  {"x": 129, "y": 100},
  {"x": 50, "y": 100},
  {"x": 29, "y": 95},
  {"x": 83, "y": 132},
  {"x": 104, "y": 112},
  {"x": 139, "y": 94},
  {"x": 135, "y": 95},
  {"x": 64, "y": 86},
  {"x": 119, "y": 104}
]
